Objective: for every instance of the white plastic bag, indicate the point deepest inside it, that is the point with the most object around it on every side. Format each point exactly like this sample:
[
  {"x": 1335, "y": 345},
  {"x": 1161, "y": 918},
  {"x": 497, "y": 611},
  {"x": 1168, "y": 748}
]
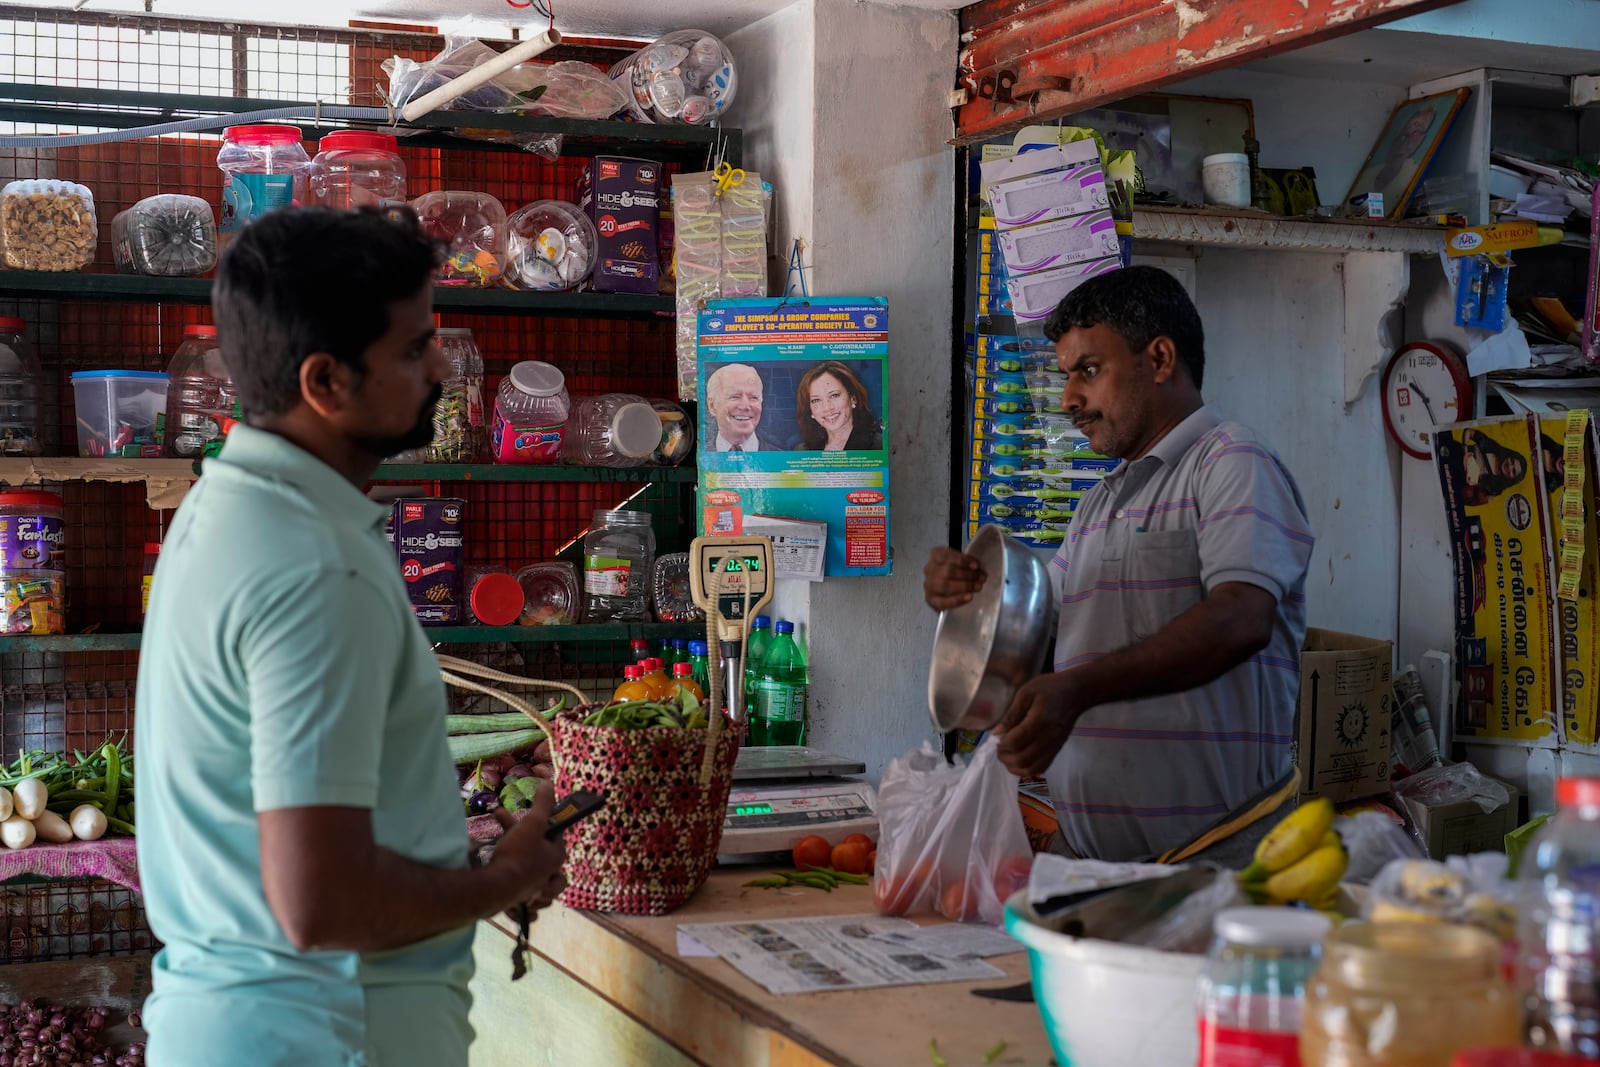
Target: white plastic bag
[{"x": 950, "y": 837}]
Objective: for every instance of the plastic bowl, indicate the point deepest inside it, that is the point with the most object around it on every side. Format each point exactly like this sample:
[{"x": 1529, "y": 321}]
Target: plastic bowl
[
  {"x": 117, "y": 411},
  {"x": 1105, "y": 1004}
]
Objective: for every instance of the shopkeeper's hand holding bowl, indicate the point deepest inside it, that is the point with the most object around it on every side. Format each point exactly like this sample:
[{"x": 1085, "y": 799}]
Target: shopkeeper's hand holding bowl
[{"x": 1181, "y": 584}]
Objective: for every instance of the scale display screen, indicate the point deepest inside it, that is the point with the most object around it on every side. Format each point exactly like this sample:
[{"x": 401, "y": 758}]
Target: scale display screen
[
  {"x": 813, "y": 809},
  {"x": 752, "y": 809}
]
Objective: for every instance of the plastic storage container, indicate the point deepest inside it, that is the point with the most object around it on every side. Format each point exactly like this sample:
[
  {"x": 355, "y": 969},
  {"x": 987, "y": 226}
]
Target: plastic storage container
[
  {"x": 1226, "y": 179},
  {"x": 473, "y": 229},
  {"x": 169, "y": 235},
  {"x": 613, "y": 430},
  {"x": 677, "y": 434},
  {"x": 33, "y": 568},
  {"x": 1251, "y": 995},
  {"x": 358, "y": 168},
  {"x": 550, "y": 245},
  {"x": 1559, "y": 923},
  {"x": 1406, "y": 995},
  {"x": 550, "y": 594},
  {"x": 494, "y": 596},
  {"x": 47, "y": 225},
  {"x": 200, "y": 394},
  {"x": 119, "y": 411},
  {"x": 264, "y": 167},
  {"x": 530, "y": 414},
  {"x": 686, "y": 77},
  {"x": 669, "y": 590},
  {"x": 20, "y": 380},
  {"x": 458, "y": 423},
  {"x": 617, "y": 556}
]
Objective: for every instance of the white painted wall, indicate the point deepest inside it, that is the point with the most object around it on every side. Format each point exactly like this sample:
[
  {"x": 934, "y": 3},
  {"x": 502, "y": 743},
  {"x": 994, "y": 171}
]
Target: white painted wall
[{"x": 857, "y": 149}]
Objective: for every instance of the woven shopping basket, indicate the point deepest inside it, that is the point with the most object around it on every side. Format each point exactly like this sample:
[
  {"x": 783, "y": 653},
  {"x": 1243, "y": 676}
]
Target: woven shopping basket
[{"x": 655, "y": 841}]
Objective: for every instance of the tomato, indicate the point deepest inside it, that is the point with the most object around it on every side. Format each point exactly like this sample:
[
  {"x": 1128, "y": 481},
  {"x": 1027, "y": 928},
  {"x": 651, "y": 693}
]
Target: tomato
[
  {"x": 850, "y": 857},
  {"x": 1011, "y": 875},
  {"x": 859, "y": 839},
  {"x": 872, "y": 862},
  {"x": 957, "y": 904},
  {"x": 890, "y": 895},
  {"x": 812, "y": 851}
]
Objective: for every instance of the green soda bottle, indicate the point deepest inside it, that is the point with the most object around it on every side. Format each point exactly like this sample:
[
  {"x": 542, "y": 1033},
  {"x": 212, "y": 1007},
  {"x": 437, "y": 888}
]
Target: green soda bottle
[
  {"x": 701, "y": 662},
  {"x": 755, "y": 650},
  {"x": 780, "y": 712}
]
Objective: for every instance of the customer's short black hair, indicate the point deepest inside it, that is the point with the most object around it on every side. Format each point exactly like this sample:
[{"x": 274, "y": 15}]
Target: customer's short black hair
[
  {"x": 1140, "y": 304},
  {"x": 304, "y": 280}
]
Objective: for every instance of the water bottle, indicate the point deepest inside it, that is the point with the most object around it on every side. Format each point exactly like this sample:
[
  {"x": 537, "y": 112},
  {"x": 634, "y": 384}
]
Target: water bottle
[
  {"x": 755, "y": 649},
  {"x": 200, "y": 394},
  {"x": 700, "y": 660},
  {"x": 780, "y": 714},
  {"x": 1560, "y": 924}
]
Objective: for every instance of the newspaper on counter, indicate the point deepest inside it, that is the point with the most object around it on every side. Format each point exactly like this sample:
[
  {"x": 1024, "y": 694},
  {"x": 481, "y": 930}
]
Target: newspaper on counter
[{"x": 835, "y": 952}]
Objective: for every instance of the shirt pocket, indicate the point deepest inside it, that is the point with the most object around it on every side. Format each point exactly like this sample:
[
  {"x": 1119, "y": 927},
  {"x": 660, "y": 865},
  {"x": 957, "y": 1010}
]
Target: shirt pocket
[{"x": 1163, "y": 572}]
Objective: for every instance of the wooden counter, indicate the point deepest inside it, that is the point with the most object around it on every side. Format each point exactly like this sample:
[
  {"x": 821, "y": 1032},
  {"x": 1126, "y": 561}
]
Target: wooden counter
[{"x": 612, "y": 990}]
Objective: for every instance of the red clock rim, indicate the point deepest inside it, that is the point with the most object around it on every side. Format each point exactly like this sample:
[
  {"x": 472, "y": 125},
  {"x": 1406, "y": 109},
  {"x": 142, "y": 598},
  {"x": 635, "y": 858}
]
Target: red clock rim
[{"x": 1458, "y": 373}]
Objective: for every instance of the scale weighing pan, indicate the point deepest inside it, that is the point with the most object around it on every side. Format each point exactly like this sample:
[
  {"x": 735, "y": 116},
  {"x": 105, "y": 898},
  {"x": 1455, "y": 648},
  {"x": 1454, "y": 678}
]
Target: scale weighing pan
[
  {"x": 772, "y": 762},
  {"x": 783, "y": 793}
]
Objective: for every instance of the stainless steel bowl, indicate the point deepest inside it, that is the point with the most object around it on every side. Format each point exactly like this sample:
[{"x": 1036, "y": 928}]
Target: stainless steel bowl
[{"x": 986, "y": 649}]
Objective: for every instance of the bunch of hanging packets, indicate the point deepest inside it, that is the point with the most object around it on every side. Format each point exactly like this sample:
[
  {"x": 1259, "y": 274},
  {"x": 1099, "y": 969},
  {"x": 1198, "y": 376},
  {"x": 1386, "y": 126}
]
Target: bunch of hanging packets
[{"x": 720, "y": 237}]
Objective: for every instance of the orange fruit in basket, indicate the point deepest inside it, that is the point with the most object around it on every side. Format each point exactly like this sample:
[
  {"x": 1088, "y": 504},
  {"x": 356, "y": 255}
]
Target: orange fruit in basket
[
  {"x": 812, "y": 851},
  {"x": 850, "y": 857}
]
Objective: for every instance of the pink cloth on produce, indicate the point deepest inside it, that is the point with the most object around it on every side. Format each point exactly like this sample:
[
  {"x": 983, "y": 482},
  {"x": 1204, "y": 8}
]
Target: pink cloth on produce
[{"x": 115, "y": 859}]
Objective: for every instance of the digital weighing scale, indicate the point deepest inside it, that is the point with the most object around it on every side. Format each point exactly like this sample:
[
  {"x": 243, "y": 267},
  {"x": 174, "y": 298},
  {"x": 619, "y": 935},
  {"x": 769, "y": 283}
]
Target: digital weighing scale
[
  {"x": 783, "y": 793},
  {"x": 731, "y": 579}
]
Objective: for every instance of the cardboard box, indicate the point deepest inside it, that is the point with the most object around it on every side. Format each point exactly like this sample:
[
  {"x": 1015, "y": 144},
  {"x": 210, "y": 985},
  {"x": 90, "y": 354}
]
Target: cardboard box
[
  {"x": 429, "y": 538},
  {"x": 1035, "y": 296},
  {"x": 622, "y": 197},
  {"x": 1462, "y": 827},
  {"x": 1346, "y": 701}
]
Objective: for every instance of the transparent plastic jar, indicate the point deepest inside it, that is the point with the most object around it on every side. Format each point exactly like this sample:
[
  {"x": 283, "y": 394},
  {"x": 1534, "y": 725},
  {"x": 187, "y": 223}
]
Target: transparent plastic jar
[
  {"x": 493, "y": 596},
  {"x": 1559, "y": 926},
  {"x": 473, "y": 228},
  {"x": 358, "y": 168},
  {"x": 33, "y": 567},
  {"x": 530, "y": 414},
  {"x": 686, "y": 77},
  {"x": 200, "y": 394},
  {"x": 1406, "y": 995},
  {"x": 20, "y": 381},
  {"x": 169, "y": 235},
  {"x": 669, "y": 590},
  {"x": 458, "y": 423},
  {"x": 549, "y": 593},
  {"x": 550, "y": 245},
  {"x": 677, "y": 434},
  {"x": 613, "y": 430},
  {"x": 264, "y": 167},
  {"x": 1252, "y": 991},
  {"x": 617, "y": 556}
]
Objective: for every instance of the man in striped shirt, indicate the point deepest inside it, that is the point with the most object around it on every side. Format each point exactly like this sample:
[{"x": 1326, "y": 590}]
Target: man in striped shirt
[{"x": 1181, "y": 583}]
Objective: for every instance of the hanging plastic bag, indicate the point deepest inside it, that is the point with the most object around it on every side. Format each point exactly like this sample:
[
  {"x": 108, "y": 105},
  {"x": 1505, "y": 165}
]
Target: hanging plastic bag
[
  {"x": 576, "y": 91},
  {"x": 519, "y": 89},
  {"x": 950, "y": 837}
]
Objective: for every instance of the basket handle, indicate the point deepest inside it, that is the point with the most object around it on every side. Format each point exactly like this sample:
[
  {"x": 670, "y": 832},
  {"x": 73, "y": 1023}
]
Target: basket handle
[{"x": 451, "y": 670}]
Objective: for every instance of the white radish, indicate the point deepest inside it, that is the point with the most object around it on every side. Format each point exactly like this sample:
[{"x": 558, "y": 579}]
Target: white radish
[
  {"x": 17, "y": 832},
  {"x": 29, "y": 798},
  {"x": 5, "y": 803},
  {"x": 52, "y": 827},
  {"x": 88, "y": 822}
]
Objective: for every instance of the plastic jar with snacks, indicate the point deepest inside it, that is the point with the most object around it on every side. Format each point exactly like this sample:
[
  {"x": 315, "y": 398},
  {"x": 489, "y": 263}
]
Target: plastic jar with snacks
[
  {"x": 494, "y": 596},
  {"x": 617, "y": 555},
  {"x": 1252, "y": 990},
  {"x": 473, "y": 229},
  {"x": 1559, "y": 935},
  {"x": 33, "y": 574},
  {"x": 458, "y": 417},
  {"x": 686, "y": 77},
  {"x": 550, "y": 244},
  {"x": 47, "y": 225},
  {"x": 677, "y": 434},
  {"x": 119, "y": 412},
  {"x": 264, "y": 167},
  {"x": 1406, "y": 995},
  {"x": 20, "y": 381},
  {"x": 669, "y": 590},
  {"x": 530, "y": 414},
  {"x": 613, "y": 430},
  {"x": 200, "y": 394},
  {"x": 152, "y": 554},
  {"x": 358, "y": 168},
  {"x": 169, "y": 235},
  {"x": 549, "y": 594}
]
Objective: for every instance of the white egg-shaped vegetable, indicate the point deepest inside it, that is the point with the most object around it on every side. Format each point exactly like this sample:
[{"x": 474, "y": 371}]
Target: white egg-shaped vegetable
[
  {"x": 88, "y": 822},
  {"x": 52, "y": 827},
  {"x": 5, "y": 803},
  {"x": 17, "y": 832},
  {"x": 29, "y": 798}
]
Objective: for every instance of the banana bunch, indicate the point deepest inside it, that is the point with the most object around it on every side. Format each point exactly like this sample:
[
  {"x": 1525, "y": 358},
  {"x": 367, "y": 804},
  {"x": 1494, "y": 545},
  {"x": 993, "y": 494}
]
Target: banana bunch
[{"x": 1302, "y": 859}]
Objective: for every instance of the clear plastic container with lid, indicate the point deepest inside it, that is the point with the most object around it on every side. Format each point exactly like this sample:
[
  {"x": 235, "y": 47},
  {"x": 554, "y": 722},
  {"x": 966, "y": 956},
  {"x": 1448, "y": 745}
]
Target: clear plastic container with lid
[
  {"x": 33, "y": 567},
  {"x": 200, "y": 394},
  {"x": 613, "y": 430},
  {"x": 550, "y": 245},
  {"x": 494, "y": 596},
  {"x": 1406, "y": 995},
  {"x": 358, "y": 168},
  {"x": 20, "y": 381},
  {"x": 549, "y": 594},
  {"x": 473, "y": 229},
  {"x": 1559, "y": 933},
  {"x": 617, "y": 556},
  {"x": 1251, "y": 993},
  {"x": 169, "y": 235},
  {"x": 530, "y": 414},
  {"x": 264, "y": 167},
  {"x": 458, "y": 422},
  {"x": 119, "y": 412}
]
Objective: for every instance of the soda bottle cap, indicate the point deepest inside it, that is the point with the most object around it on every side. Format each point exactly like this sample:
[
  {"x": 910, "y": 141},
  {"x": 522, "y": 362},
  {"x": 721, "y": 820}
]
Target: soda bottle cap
[
  {"x": 697, "y": 648},
  {"x": 784, "y": 626},
  {"x": 683, "y": 670},
  {"x": 761, "y": 622},
  {"x": 632, "y": 673},
  {"x": 638, "y": 644},
  {"x": 1578, "y": 792},
  {"x": 653, "y": 664}
]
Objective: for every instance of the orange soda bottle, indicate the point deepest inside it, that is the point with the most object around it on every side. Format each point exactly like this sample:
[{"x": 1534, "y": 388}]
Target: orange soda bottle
[
  {"x": 655, "y": 676},
  {"x": 683, "y": 681},
  {"x": 633, "y": 686}
]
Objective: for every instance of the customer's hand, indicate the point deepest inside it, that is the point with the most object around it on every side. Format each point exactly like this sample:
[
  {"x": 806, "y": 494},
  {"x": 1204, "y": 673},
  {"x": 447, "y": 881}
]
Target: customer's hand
[
  {"x": 535, "y": 862},
  {"x": 950, "y": 579}
]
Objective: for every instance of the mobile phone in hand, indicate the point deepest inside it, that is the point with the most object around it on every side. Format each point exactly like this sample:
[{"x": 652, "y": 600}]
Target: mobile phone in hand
[{"x": 572, "y": 808}]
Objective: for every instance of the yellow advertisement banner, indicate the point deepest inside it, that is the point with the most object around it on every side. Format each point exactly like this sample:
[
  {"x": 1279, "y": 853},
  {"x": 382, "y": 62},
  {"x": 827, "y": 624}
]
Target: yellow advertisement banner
[{"x": 1567, "y": 451}]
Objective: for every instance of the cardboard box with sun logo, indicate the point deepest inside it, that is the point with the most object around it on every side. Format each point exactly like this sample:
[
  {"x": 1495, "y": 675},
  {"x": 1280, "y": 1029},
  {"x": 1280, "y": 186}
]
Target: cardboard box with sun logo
[{"x": 1346, "y": 705}]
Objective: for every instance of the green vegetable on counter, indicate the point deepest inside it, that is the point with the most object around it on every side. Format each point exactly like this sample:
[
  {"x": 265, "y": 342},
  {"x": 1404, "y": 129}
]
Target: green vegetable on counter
[{"x": 824, "y": 878}]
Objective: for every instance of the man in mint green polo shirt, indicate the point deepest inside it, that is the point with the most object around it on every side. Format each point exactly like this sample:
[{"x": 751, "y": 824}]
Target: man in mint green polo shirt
[{"x": 301, "y": 839}]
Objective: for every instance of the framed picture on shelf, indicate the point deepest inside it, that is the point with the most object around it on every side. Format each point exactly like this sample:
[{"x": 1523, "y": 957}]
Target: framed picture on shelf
[{"x": 1403, "y": 151}]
